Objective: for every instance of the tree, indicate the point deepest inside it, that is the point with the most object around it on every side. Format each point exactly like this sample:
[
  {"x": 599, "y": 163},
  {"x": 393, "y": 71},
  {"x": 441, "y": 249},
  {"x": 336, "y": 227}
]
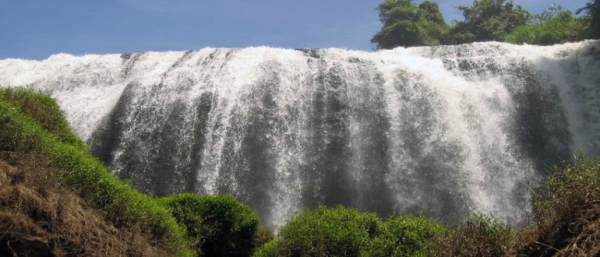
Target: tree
[
  {"x": 553, "y": 26},
  {"x": 488, "y": 20},
  {"x": 592, "y": 9},
  {"x": 431, "y": 12},
  {"x": 408, "y": 24}
]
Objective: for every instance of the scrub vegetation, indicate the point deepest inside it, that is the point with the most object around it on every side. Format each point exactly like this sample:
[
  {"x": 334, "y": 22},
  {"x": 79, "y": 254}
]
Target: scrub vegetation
[
  {"x": 56, "y": 199},
  {"x": 566, "y": 222},
  {"x": 405, "y": 23}
]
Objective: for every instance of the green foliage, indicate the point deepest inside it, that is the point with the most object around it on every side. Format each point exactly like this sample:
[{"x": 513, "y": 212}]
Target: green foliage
[
  {"x": 123, "y": 206},
  {"x": 592, "y": 9},
  {"x": 553, "y": 26},
  {"x": 405, "y": 235},
  {"x": 406, "y": 24},
  {"x": 43, "y": 109},
  {"x": 270, "y": 249},
  {"x": 343, "y": 231},
  {"x": 219, "y": 225},
  {"x": 570, "y": 188},
  {"x": 488, "y": 20},
  {"x": 566, "y": 210},
  {"x": 263, "y": 236},
  {"x": 478, "y": 236},
  {"x": 325, "y": 231}
]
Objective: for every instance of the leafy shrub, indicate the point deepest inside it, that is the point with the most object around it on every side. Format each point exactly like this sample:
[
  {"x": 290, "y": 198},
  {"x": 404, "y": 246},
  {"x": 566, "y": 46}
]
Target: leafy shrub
[
  {"x": 219, "y": 225},
  {"x": 342, "y": 231},
  {"x": 325, "y": 231},
  {"x": 405, "y": 235},
  {"x": 478, "y": 236}
]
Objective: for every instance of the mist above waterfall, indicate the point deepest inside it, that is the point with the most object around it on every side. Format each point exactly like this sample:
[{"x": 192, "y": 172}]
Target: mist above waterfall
[{"x": 444, "y": 131}]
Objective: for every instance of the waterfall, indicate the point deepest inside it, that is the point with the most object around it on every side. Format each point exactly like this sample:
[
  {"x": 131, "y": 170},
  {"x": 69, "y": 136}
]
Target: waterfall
[{"x": 444, "y": 131}]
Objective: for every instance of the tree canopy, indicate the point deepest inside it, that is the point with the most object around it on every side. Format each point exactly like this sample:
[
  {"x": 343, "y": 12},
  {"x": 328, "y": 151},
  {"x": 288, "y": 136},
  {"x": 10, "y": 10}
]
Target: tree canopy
[
  {"x": 488, "y": 20},
  {"x": 405, "y": 23},
  {"x": 553, "y": 26},
  {"x": 592, "y": 9},
  {"x": 408, "y": 24}
]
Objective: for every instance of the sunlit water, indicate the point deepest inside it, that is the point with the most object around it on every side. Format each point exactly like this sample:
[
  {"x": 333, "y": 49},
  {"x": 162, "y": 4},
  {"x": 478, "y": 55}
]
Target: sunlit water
[{"x": 443, "y": 131}]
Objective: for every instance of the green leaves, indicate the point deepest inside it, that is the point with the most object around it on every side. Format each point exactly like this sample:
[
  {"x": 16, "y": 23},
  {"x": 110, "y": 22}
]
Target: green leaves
[
  {"x": 326, "y": 231},
  {"x": 592, "y": 9},
  {"x": 406, "y": 235},
  {"x": 553, "y": 26},
  {"x": 32, "y": 123},
  {"x": 44, "y": 110},
  {"x": 488, "y": 20},
  {"x": 219, "y": 225},
  {"x": 406, "y": 24},
  {"x": 343, "y": 231}
]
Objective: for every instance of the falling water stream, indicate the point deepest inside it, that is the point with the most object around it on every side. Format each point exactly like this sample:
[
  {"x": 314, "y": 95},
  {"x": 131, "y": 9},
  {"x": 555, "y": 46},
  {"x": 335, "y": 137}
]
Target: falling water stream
[{"x": 444, "y": 131}]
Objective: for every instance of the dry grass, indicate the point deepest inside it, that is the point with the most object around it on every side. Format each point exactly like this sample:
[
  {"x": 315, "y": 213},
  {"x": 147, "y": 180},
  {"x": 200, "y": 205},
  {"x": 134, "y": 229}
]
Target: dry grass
[
  {"x": 478, "y": 236},
  {"x": 567, "y": 212},
  {"x": 56, "y": 199},
  {"x": 566, "y": 221},
  {"x": 587, "y": 241},
  {"x": 41, "y": 217}
]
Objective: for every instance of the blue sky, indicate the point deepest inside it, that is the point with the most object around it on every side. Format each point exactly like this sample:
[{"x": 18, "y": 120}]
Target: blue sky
[{"x": 36, "y": 29}]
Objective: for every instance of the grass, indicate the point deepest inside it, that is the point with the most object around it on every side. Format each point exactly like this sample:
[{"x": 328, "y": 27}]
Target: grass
[
  {"x": 477, "y": 236},
  {"x": 33, "y": 124},
  {"x": 39, "y": 215},
  {"x": 567, "y": 211},
  {"x": 566, "y": 220},
  {"x": 45, "y": 111},
  {"x": 43, "y": 163}
]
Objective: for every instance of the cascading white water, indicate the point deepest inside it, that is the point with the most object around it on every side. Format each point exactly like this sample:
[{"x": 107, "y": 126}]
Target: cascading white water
[{"x": 445, "y": 131}]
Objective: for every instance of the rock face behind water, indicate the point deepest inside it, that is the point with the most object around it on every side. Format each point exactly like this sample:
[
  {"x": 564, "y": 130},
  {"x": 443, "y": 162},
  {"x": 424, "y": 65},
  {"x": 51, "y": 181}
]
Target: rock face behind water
[{"x": 445, "y": 131}]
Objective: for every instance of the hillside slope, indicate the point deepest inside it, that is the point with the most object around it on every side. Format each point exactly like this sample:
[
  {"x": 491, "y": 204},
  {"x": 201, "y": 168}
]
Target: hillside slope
[
  {"x": 57, "y": 200},
  {"x": 41, "y": 217}
]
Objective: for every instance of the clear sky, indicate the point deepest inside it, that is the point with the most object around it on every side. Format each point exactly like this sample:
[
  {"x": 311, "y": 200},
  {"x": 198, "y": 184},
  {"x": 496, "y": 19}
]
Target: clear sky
[{"x": 36, "y": 29}]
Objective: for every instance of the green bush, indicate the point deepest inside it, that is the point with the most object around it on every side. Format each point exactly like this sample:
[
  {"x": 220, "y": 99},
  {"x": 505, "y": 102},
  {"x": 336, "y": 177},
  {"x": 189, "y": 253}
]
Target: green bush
[
  {"x": 343, "y": 231},
  {"x": 325, "y": 231},
  {"x": 406, "y": 235},
  {"x": 22, "y": 134},
  {"x": 219, "y": 225}
]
